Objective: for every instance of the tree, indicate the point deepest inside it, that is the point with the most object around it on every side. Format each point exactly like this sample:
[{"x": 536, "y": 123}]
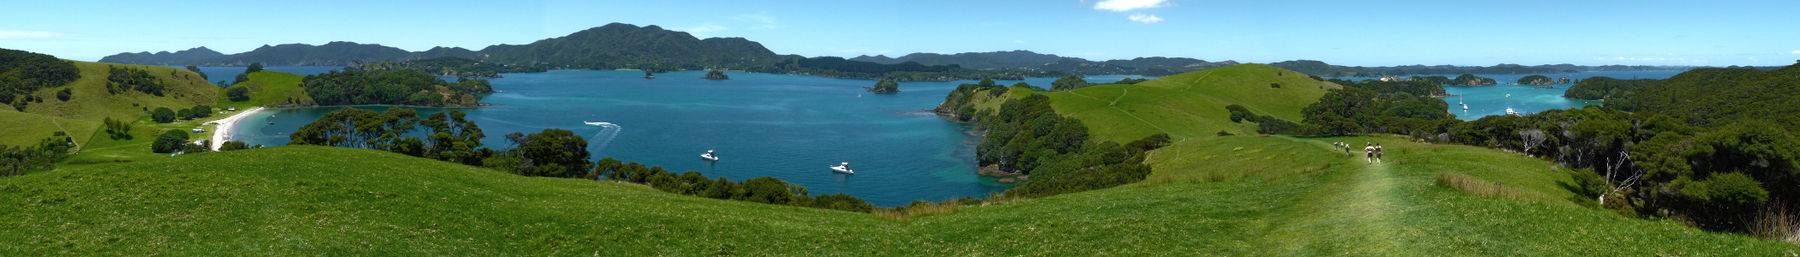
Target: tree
[
  {"x": 162, "y": 115},
  {"x": 196, "y": 70},
  {"x": 254, "y": 67},
  {"x": 767, "y": 190},
  {"x": 233, "y": 145},
  {"x": 237, "y": 94},
  {"x": 1069, "y": 82},
  {"x": 1533, "y": 138},
  {"x": 169, "y": 142},
  {"x": 562, "y": 148}
]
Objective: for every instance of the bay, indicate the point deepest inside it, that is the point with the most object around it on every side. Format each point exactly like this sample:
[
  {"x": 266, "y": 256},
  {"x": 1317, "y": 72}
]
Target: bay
[
  {"x": 1524, "y": 99},
  {"x": 790, "y": 127}
]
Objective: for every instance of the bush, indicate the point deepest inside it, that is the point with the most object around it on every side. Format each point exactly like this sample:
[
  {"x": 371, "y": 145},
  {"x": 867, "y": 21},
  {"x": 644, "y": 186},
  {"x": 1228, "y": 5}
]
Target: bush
[
  {"x": 169, "y": 141},
  {"x": 237, "y": 94},
  {"x": 64, "y": 95},
  {"x": 162, "y": 115},
  {"x": 233, "y": 145}
]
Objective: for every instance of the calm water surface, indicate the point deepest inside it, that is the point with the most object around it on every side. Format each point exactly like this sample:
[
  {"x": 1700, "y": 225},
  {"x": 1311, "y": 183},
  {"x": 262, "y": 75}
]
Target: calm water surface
[
  {"x": 1493, "y": 100},
  {"x": 785, "y": 126}
]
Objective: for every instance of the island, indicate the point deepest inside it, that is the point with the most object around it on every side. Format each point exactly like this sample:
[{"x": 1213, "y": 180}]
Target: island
[
  {"x": 1541, "y": 80},
  {"x": 885, "y": 86},
  {"x": 715, "y": 75},
  {"x": 1471, "y": 80}
]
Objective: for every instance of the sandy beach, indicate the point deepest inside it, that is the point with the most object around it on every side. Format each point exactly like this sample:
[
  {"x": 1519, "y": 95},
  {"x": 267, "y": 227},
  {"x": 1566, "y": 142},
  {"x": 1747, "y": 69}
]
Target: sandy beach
[{"x": 222, "y": 132}]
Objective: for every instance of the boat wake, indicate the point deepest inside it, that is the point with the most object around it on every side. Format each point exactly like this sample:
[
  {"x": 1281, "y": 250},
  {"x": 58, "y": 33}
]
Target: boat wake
[{"x": 607, "y": 132}]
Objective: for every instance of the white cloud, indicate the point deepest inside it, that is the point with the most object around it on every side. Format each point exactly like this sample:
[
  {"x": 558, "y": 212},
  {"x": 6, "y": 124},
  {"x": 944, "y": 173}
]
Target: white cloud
[
  {"x": 1127, "y": 5},
  {"x": 1145, "y": 18},
  {"x": 700, "y": 31},
  {"x": 1018, "y": 41},
  {"x": 1641, "y": 59},
  {"x": 762, "y": 20},
  {"x": 1796, "y": 52},
  {"x": 11, "y": 34}
]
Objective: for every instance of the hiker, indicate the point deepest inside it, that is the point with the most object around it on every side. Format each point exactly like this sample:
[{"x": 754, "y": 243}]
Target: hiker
[
  {"x": 1369, "y": 152},
  {"x": 1378, "y": 153},
  {"x": 1346, "y": 147}
]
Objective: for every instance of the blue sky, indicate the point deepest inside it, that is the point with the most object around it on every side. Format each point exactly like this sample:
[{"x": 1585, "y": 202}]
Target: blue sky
[{"x": 1716, "y": 33}]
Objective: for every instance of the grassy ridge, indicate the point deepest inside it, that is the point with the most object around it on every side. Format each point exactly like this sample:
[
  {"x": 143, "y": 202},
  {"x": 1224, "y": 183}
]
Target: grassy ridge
[
  {"x": 269, "y": 88},
  {"x": 1207, "y": 195},
  {"x": 81, "y": 116}
]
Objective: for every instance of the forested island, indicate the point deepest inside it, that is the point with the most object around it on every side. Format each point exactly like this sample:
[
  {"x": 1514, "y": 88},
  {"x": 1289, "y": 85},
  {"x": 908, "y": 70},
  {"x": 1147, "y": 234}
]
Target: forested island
[
  {"x": 1471, "y": 80},
  {"x": 715, "y": 75},
  {"x": 1541, "y": 80},
  {"x": 884, "y": 87}
]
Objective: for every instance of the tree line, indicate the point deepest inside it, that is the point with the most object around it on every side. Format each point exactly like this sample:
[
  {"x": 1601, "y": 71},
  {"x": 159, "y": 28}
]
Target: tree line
[
  {"x": 17, "y": 160},
  {"x": 548, "y": 153},
  {"x": 22, "y": 73},
  {"x": 396, "y": 86}
]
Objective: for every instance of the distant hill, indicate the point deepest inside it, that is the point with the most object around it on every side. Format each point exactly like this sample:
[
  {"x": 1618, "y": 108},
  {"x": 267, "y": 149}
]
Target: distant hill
[
  {"x": 1319, "y": 68},
  {"x": 975, "y": 60},
  {"x": 1032, "y": 61},
  {"x": 1706, "y": 97},
  {"x": 194, "y": 56},
  {"x": 620, "y": 45}
]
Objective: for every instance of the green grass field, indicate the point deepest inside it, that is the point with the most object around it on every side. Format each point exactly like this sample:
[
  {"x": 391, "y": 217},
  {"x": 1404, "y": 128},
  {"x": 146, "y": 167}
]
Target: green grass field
[
  {"x": 81, "y": 116},
  {"x": 1208, "y": 195},
  {"x": 268, "y": 88}
]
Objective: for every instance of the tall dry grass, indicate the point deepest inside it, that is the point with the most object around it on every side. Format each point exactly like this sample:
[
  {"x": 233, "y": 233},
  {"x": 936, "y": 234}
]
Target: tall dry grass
[
  {"x": 1777, "y": 222},
  {"x": 1477, "y": 187}
]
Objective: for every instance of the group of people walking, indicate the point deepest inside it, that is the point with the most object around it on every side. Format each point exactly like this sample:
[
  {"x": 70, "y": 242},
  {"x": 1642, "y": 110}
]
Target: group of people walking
[{"x": 1371, "y": 151}]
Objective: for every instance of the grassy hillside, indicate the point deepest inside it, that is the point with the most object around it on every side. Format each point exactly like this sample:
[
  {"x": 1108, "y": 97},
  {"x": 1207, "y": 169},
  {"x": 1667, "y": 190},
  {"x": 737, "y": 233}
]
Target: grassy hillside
[
  {"x": 90, "y": 103},
  {"x": 269, "y": 88},
  {"x": 1207, "y": 195}
]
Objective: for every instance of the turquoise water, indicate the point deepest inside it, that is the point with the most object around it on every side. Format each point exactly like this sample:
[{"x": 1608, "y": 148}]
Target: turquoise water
[
  {"x": 1493, "y": 100},
  {"x": 785, "y": 126}
]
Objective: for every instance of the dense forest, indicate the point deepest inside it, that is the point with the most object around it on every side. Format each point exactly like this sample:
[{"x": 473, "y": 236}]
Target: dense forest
[
  {"x": 548, "y": 153},
  {"x": 1686, "y": 148},
  {"x": 1027, "y": 137},
  {"x": 1705, "y": 97},
  {"x": 1029, "y": 61},
  {"x": 1471, "y": 80},
  {"x": 22, "y": 73},
  {"x": 398, "y": 86}
]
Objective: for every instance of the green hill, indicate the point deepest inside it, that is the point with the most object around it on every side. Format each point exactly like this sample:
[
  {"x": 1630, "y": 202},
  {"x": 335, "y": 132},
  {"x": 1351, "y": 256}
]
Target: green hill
[
  {"x": 90, "y": 103},
  {"x": 267, "y": 88},
  {"x": 1207, "y": 195}
]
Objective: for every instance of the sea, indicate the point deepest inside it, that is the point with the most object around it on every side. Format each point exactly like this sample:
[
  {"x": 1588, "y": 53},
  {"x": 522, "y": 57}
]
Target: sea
[
  {"x": 1524, "y": 99},
  {"x": 790, "y": 127}
]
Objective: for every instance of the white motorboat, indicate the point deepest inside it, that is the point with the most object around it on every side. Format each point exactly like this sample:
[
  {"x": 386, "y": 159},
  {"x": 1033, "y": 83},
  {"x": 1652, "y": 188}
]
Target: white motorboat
[
  {"x": 595, "y": 123},
  {"x": 709, "y": 156},
  {"x": 1509, "y": 111},
  {"x": 844, "y": 167}
]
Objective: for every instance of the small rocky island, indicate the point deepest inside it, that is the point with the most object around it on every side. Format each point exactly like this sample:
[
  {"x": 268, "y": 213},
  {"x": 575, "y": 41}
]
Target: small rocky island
[
  {"x": 1471, "y": 80},
  {"x": 886, "y": 86},
  {"x": 1541, "y": 80},
  {"x": 715, "y": 75}
]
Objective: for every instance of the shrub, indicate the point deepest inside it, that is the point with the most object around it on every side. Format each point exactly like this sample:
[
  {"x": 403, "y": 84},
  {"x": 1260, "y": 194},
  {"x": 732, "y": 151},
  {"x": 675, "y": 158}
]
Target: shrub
[
  {"x": 237, "y": 94},
  {"x": 169, "y": 142},
  {"x": 233, "y": 145},
  {"x": 162, "y": 115},
  {"x": 64, "y": 95}
]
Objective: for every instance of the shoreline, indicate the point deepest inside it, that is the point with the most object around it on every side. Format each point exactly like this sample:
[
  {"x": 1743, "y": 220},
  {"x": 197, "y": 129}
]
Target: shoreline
[{"x": 222, "y": 133}]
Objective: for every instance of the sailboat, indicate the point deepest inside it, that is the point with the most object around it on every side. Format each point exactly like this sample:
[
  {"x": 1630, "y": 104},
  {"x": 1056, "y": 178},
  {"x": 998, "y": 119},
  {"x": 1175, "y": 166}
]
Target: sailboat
[{"x": 1460, "y": 101}]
